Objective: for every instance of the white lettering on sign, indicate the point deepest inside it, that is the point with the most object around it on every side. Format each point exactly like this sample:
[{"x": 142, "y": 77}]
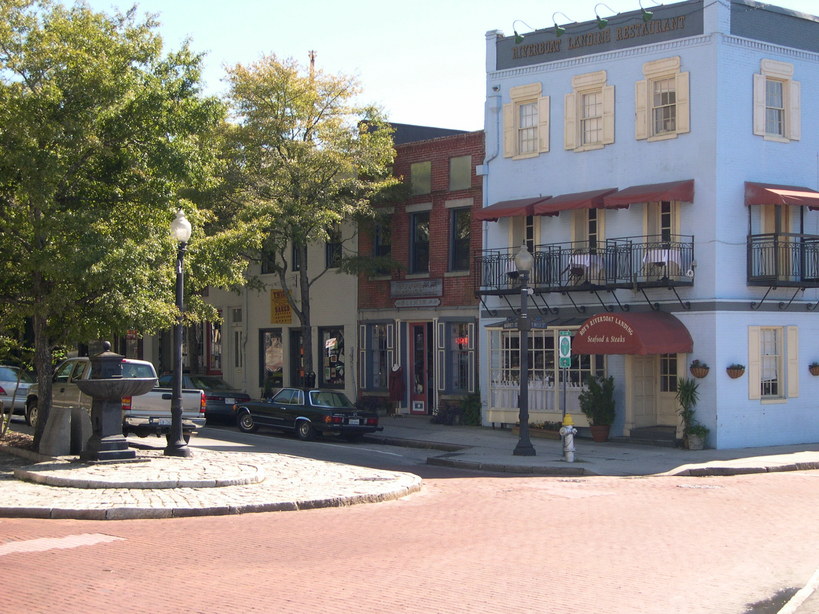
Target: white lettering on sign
[{"x": 606, "y": 319}]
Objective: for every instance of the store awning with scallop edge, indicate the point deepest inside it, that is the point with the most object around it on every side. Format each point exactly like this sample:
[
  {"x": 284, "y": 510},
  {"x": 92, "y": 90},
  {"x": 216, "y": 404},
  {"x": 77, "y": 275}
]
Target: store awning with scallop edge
[
  {"x": 568, "y": 202},
  {"x": 651, "y": 332}
]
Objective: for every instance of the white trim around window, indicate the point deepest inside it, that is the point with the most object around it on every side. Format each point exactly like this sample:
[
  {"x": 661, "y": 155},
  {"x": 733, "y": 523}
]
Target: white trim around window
[
  {"x": 589, "y": 113},
  {"x": 662, "y": 109},
  {"x": 777, "y": 102},
  {"x": 526, "y": 122}
]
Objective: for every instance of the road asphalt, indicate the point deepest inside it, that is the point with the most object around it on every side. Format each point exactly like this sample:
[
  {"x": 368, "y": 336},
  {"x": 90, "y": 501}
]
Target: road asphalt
[
  {"x": 214, "y": 483},
  {"x": 220, "y": 483}
]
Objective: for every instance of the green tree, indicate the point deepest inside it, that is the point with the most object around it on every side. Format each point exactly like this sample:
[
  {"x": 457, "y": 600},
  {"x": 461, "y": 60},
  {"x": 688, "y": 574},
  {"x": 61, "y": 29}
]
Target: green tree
[
  {"x": 101, "y": 134},
  {"x": 303, "y": 159}
]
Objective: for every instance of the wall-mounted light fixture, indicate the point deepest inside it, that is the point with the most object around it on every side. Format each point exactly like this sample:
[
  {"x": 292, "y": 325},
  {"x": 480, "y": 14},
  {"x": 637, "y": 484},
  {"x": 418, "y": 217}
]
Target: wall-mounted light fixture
[
  {"x": 519, "y": 37},
  {"x": 560, "y": 31},
  {"x": 647, "y": 15},
  {"x": 601, "y": 22}
]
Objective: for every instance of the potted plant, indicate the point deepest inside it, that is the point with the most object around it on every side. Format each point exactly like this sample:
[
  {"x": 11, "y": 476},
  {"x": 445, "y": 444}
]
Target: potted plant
[
  {"x": 699, "y": 369},
  {"x": 597, "y": 403},
  {"x": 735, "y": 370},
  {"x": 694, "y": 433},
  {"x": 814, "y": 368}
]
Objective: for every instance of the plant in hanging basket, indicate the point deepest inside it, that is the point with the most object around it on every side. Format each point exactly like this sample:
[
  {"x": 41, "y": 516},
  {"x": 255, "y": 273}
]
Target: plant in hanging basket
[
  {"x": 699, "y": 369},
  {"x": 735, "y": 370},
  {"x": 814, "y": 368}
]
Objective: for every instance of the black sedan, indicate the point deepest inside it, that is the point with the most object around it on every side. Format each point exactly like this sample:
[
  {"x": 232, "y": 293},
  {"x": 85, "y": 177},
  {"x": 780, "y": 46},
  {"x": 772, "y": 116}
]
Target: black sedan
[{"x": 307, "y": 412}]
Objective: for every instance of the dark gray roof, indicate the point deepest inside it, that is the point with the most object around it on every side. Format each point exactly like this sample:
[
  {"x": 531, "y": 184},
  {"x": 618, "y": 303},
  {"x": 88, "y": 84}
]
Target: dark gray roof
[{"x": 408, "y": 133}]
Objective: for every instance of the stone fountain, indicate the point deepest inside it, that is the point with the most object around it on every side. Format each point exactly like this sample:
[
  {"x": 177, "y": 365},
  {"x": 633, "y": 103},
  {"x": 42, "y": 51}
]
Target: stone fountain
[{"x": 106, "y": 387}]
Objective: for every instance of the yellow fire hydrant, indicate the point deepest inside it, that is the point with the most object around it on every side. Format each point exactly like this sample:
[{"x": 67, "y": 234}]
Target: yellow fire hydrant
[{"x": 567, "y": 432}]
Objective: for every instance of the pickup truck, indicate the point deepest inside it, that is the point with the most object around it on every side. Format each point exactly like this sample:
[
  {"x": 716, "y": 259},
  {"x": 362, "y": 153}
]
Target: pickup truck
[{"x": 147, "y": 414}]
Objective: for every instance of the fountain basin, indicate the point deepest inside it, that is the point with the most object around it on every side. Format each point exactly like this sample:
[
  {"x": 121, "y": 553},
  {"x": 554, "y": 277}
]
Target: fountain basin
[{"x": 113, "y": 389}]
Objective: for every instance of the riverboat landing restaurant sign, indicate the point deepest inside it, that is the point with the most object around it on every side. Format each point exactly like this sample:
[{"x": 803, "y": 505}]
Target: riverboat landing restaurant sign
[
  {"x": 652, "y": 332},
  {"x": 624, "y": 30}
]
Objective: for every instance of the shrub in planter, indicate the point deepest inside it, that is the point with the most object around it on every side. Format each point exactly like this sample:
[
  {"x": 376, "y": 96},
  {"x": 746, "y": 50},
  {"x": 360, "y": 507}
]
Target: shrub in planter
[
  {"x": 687, "y": 396},
  {"x": 597, "y": 403},
  {"x": 449, "y": 413}
]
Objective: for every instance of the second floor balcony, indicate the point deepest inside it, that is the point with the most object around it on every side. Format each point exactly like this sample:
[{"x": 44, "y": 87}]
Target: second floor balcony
[
  {"x": 627, "y": 262},
  {"x": 783, "y": 260}
]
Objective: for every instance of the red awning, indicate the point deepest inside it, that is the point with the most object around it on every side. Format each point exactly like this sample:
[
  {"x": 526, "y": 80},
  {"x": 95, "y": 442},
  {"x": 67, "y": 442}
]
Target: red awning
[
  {"x": 652, "y": 332},
  {"x": 508, "y": 208},
  {"x": 579, "y": 200},
  {"x": 673, "y": 190},
  {"x": 769, "y": 194}
]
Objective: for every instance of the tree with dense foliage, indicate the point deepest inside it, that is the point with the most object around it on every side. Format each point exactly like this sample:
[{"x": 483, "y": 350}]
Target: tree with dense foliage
[
  {"x": 101, "y": 135},
  {"x": 304, "y": 161}
]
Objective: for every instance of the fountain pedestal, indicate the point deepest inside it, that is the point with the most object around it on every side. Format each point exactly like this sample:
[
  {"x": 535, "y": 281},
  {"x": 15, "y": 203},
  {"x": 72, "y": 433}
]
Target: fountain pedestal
[{"x": 106, "y": 388}]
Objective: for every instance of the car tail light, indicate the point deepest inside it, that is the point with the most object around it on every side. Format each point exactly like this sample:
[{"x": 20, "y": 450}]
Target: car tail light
[
  {"x": 334, "y": 419},
  {"x": 126, "y": 403},
  {"x": 215, "y": 398},
  {"x": 203, "y": 403},
  {"x": 372, "y": 421}
]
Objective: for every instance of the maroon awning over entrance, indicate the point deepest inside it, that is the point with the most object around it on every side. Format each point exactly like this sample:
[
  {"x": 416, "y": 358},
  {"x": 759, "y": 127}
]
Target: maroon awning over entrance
[
  {"x": 565, "y": 202},
  {"x": 652, "y": 332},
  {"x": 769, "y": 194},
  {"x": 653, "y": 192},
  {"x": 508, "y": 208}
]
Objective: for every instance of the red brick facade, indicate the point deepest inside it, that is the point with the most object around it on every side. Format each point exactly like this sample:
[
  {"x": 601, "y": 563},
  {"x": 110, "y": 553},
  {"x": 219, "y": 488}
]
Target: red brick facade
[{"x": 458, "y": 288}]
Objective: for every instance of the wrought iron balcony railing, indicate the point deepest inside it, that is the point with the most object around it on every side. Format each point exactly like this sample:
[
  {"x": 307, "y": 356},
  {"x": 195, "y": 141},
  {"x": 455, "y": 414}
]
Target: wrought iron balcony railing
[
  {"x": 784, "y": 259},
  {"x": 646, "y": 261}
]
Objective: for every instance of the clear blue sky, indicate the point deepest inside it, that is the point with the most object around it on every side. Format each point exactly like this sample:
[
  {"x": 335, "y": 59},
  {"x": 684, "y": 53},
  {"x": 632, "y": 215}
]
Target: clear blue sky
[{"x": 423, "y": 62}]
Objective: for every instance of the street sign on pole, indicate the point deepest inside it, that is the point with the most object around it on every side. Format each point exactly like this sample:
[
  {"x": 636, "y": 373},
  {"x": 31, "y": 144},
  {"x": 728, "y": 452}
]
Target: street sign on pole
[{"x": 565, "y": 349}]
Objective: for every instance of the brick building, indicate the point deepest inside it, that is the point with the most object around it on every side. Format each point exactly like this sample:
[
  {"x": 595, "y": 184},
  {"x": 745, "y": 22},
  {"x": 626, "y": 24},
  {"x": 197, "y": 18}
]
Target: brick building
[{"x": 421, "y": 318}]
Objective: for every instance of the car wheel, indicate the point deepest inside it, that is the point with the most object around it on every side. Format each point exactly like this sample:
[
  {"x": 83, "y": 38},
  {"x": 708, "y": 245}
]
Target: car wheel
[
  {"x": 305, "y": 431},
  {"x": 31, "y": 414},
  {"x": 245, "y": 422}
]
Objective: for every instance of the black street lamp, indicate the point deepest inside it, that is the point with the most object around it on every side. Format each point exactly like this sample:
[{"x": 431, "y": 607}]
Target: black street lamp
[
  {"x": 181, "y": 231},
  {"x": 524, "y": 262}
]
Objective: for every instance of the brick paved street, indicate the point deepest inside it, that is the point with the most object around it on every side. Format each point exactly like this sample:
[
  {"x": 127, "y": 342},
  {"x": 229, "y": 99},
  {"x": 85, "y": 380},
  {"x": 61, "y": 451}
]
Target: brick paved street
[{"x": 462, "y": 544}]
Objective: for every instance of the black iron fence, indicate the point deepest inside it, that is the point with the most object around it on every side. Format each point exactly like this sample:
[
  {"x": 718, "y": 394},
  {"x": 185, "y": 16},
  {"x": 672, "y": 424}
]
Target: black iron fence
[
  {"x": 785, "y": 259},
  {"x": 622, "y": 262}
]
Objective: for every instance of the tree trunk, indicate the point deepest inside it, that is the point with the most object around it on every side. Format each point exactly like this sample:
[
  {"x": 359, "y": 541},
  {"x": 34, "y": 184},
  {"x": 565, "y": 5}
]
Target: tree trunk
[
  {"x": 45, "y": 371},
  {"x": 306, "y": 323}
]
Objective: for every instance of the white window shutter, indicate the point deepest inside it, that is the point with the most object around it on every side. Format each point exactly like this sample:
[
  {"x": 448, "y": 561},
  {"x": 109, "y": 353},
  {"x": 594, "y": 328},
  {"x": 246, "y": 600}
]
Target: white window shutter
[
  {"x": 509, "y": 130},
  {"x": 683, "y": 106},
  {"x": 759, "y": 104},
  {"x": 608, "y": 115},
  {"x": 641, "y": 110},
  {"x": 793, "y": 361},
  {"x": 543, "y": 123},
  {"x": 793, "y": 123},
  {"x": 570, "y": 121},
  {"x": 754, "y": 360}
]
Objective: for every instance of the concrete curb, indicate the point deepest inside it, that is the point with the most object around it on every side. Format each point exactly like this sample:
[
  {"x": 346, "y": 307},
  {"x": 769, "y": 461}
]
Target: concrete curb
[{"x": 130, "y": 513}]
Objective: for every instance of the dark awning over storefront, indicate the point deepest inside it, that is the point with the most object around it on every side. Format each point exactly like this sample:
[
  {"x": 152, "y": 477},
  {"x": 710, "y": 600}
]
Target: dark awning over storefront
[
  {"x": 673, "y": 190},
  {"x": 566, "y": 202},
  {"x": 653, "y": 332},
  {"x": 508, "y": 208},
  {"x": 769, "y": 194}
]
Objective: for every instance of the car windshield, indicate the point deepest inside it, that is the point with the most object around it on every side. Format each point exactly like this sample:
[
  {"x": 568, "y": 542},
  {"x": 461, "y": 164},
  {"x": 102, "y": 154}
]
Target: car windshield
[
  {"x": 209, "y": 383},
  {"x": 324, "y": 398},
  {"x": 138, "y": 370},
  {"x": 9, "y": 374}
]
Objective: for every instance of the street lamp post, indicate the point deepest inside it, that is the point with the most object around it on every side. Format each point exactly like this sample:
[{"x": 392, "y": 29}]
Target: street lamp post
[
  {"x": 524, "y": 262},
  {"x": 181, "y": 231}
]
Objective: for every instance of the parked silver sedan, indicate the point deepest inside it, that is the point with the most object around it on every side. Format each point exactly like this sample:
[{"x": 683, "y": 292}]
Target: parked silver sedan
[{"x": 14, "y": 379}]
